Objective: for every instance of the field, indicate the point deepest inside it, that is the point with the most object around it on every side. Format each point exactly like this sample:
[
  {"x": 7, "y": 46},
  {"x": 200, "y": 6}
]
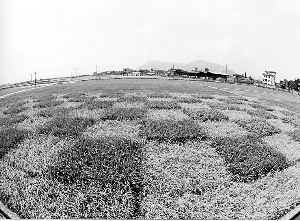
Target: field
[{"x": 150, "y": 149}]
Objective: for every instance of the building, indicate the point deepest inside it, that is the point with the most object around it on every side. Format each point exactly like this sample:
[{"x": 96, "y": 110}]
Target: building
[
  {"x": 135, "y": 73},
  {"x": 269, "y": 78}
]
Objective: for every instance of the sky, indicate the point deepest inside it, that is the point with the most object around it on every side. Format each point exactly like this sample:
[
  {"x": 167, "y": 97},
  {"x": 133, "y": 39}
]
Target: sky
[{"x": 51, "y": 37}]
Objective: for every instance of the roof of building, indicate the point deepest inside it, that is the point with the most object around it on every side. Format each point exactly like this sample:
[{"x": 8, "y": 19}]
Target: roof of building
[{"x": 269, "y": 74}]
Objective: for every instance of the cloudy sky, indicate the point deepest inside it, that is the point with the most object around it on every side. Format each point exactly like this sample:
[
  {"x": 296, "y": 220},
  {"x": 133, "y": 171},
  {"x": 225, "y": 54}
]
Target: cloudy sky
[{"x": 52, "y": 37}]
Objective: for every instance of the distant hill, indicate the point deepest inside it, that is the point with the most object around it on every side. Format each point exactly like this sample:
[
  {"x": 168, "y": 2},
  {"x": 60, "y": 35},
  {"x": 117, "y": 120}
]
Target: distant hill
[
  {"x": 161, "y": 65},
  {"x": 201, "y": 65}
]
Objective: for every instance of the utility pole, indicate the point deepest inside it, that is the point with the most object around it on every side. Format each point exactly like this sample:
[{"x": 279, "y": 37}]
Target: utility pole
[
  {"x": 226, "y": 68},
  {"x": 76, "y": 71},
  {"x": 31, "y": 80},
  {"x": 35, "y": 79},
  {"x": 96, "y": 70}
]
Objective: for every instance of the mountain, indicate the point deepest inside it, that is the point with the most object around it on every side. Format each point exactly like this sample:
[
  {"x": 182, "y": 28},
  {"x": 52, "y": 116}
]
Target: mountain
[
  {"x": 161, "y": 65},
  {"x": 201, "y": 65}
]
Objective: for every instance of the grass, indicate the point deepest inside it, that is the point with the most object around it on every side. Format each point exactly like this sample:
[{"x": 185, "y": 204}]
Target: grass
[
  {"x": 9, "y": 138},
  {"x": 259, "y": 127},
  {"x": 181, "y": 175},
  {"x": 33, "y": 155},
  {"x": 96, "y": 104},
  {"x": 46, "y": 97},
  {"x": 295, "y": 135},
  {"x": 159, "y": 95},
  {"x": 116, "y": 159},
  {"x": 206, "y": 97},
  {"x": 188, "y": 100},
  {"x": 205, "y": 114},
  {"x": 166, "y": 114},
  {"x": 171, "y": 130},
  {"x": 119, "y": 161},
  {"x": 12, "y": 120},
  {"x": 223, "y": 129},
  {"x": 223, "y": 106},
  {"x": 47, "y": 103},
  {"x": 261, "y": 113},
  {"x": 123, "y": 113},
  {"x": 248, "y": 159},
  {"x": 14, "y": 110},
  {"x": 45, "y": 199},
  {"x": 294, "y": 120},
  {"x": 176, "y": 172},
  {"x": 66, "y": 126},
  {"x": 132, "y": 99},
  {"x": 53, "y": 111},
  {"x": 163, "y": 105},
  {"x": 263, "y": 107},
  {"x": 233, "y": 100},
  {"x": 112, "y": 128},
  {"x": 78, "y": 97},
  {"x": 285, "y": 145}
]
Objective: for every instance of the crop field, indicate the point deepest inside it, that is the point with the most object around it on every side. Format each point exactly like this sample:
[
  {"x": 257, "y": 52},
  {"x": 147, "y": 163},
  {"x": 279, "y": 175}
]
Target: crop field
[{"x": 149, "y": 149}]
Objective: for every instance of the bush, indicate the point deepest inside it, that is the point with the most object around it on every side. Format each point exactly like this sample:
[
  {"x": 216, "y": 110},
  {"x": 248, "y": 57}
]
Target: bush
[
  {"x": 63, "y": 126},
  {"x": 258, "y": 126},
  {"x": 132, "y": 99},
  {"x": 93, "y": 104},
  {"x": 123, "y": 113},
  {"x": 47, "y": 103},
  {"x": 171, "y": 130},
  {"x": 163, "y": 104},
  {"x": 13, "y": 119},
  {"x": 248, "y": 159},
  {"x": 14, "y": 110},
  {"x": 205, "y": 114},
  {"x": 9, "y": 138}
]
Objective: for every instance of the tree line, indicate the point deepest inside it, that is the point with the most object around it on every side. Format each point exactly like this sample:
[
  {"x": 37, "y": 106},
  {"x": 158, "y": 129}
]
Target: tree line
[{"x": 290, "y": 85}]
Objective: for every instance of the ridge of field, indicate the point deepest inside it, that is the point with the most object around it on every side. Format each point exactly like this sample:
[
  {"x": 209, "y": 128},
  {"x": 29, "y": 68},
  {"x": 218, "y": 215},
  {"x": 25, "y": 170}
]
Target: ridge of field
[{"x": 149, "y": 149}]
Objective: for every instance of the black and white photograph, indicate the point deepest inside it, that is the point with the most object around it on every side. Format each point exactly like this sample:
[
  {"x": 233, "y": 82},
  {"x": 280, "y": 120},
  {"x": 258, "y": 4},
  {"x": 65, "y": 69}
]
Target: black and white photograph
[{"x": 150, "y": 109}]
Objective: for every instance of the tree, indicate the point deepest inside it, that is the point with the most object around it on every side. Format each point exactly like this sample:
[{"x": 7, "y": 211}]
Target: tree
[
  {"x": 297, "y": 84},
  {"x": 206, "y": 70}
]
